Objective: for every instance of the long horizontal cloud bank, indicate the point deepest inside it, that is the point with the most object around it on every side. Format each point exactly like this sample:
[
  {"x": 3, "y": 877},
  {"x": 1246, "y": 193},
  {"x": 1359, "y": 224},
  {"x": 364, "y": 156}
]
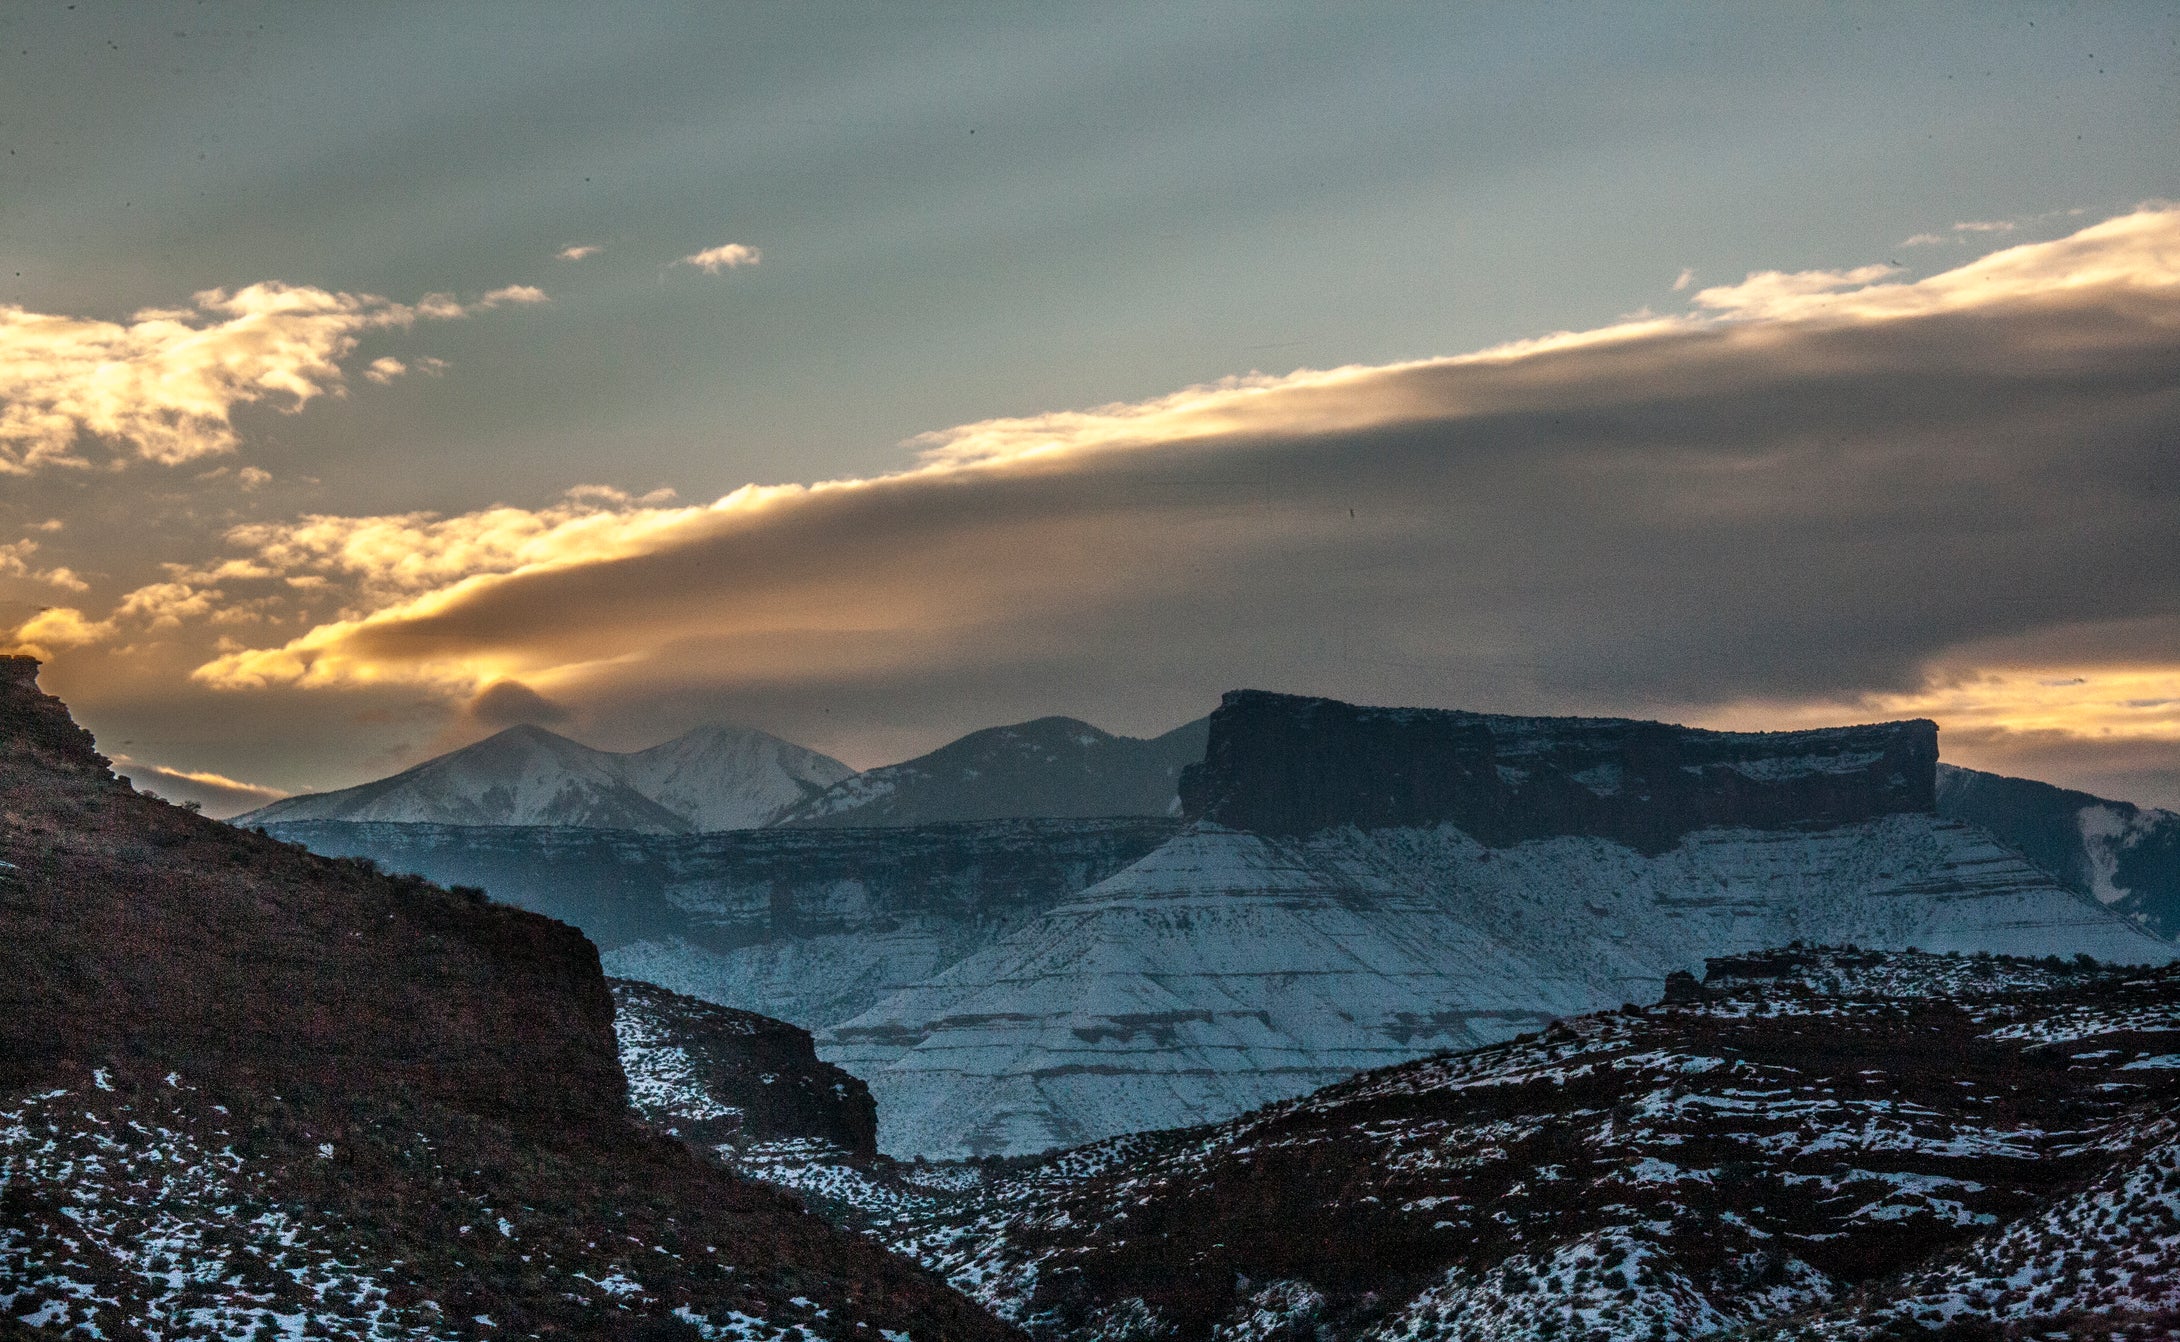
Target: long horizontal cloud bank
[{"x": 1842, "y": 490}]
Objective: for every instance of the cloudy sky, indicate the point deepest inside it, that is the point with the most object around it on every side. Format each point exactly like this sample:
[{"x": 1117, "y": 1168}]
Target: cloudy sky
[{"x": 372, "y": 377}]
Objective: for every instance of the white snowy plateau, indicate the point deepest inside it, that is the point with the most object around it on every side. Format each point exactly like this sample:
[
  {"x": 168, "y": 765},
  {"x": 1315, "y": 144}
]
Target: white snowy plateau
[
  {"x": 1229, "y": 969},
  {"x": 713, "y": 778}
]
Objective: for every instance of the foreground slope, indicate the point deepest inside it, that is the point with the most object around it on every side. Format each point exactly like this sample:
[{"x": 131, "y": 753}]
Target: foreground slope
[
  {"x": 713, "y": 778},
  {"x": 1052, "y": 768},
  {"x": 247, "y": 1088},
  {"x": 1366, "y": 885},
  {"x": 1831, "y": 1141},
  {"x": 2125, "y": 856}
]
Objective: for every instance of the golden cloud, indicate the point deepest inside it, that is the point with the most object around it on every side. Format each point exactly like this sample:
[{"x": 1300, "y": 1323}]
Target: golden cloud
[
  {"x": 163, "y": 386},
  {"x": 57, "y": 628},
  {"x": 15, "y": 563}
]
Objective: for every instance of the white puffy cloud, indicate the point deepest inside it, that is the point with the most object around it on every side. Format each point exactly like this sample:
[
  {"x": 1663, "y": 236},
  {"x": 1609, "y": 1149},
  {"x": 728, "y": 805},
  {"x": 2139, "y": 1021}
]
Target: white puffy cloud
[
  {"x": 726, "y": 256},
  {"x": 385, "y": 558},
  {"x": 166, "y": 605},
  {"x": 163, "y": 386},
  {"x": 2127, "y": 256},
  {"x": 578, "y": 251}
]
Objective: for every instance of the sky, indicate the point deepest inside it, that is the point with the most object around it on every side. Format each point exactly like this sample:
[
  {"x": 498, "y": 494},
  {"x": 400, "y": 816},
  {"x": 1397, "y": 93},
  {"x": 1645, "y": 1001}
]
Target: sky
[{"x": 374, "y": 377}]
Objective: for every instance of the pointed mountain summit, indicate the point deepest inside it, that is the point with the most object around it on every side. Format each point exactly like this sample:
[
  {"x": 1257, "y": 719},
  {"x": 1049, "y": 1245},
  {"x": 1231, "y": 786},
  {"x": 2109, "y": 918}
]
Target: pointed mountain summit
[
  {"x": 709, "y": 779},
  {"x": 718, "y": 777},
  {"x": 1051, "y": 768}
]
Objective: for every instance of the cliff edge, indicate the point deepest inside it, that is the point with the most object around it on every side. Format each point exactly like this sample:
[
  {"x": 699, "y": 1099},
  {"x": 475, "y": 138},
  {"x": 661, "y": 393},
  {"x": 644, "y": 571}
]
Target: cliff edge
[{"x": 1288, "y": 765}]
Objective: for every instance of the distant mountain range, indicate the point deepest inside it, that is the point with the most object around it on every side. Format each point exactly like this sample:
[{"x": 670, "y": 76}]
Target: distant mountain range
[
  {"x": 713, "y": 778},
  {"x": 731, "y": 778}
]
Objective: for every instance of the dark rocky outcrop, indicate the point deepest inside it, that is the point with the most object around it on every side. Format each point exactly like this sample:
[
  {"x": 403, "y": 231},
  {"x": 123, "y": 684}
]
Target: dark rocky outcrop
[
  {"x": 1287, "y": 765},
  {"x": 137, "y": 929},
  {"x": 1881, "y": 1141},
  {"x": 764, "y": 1075},
  {"x": 423, "y": 1085}
]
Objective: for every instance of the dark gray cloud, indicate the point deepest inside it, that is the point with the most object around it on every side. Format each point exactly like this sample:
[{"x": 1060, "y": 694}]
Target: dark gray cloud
[{"x": 510, "y": 703}]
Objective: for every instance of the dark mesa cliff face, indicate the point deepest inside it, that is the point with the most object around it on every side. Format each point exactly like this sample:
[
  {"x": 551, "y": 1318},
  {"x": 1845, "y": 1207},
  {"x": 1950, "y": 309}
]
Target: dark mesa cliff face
[{"x": 1287, "y": 765}]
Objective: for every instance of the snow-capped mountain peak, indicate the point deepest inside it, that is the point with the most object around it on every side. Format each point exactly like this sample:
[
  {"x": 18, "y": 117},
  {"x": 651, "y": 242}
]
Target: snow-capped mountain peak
[{"x": 715, "y": 777}]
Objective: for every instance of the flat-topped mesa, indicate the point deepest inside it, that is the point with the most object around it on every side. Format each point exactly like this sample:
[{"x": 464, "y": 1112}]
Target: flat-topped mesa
[{"x": 1281, "y": 764}]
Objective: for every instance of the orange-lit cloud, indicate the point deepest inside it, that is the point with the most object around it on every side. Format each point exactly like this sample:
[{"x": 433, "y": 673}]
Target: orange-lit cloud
[
  {"x": 56, "y": 629},
  {"x": 1784, "y": 412},
  {"x": 218, "y": 794},
  {"x": 163, "y": 386}
]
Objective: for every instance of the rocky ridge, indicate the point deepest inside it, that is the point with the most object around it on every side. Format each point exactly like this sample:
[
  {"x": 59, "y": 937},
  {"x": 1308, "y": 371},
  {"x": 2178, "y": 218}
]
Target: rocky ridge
[
  {"x": 718, "y": 1077},
  {"x": 1330, "y": 910},
  {"x": 809, "y": 925}
]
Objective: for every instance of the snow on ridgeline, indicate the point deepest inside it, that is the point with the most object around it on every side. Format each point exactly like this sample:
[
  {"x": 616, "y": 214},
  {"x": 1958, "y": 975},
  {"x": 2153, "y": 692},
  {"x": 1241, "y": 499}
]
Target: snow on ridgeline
[{"x": 713, "y": 778}]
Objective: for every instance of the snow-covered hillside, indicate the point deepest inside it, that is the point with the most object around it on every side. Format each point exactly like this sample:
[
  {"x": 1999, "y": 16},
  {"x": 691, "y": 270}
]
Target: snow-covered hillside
[
  {"x": 1229, "y": 969},
  {"x": 1053, "y": 768},
  {"x": 1833, "y": 1144},
  {"x": 713, "y": 778},
  {"x": 2127, "y": 856}
]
